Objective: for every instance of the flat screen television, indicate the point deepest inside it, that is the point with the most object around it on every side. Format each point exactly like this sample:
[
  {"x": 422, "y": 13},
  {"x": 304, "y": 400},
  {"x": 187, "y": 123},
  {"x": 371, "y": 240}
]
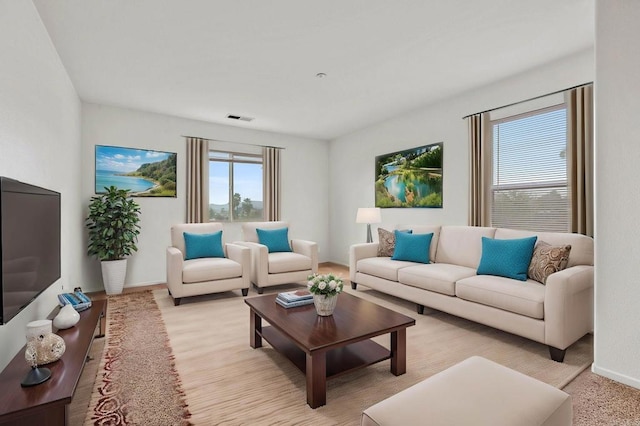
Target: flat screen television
[{"x": 29, "y": 244}]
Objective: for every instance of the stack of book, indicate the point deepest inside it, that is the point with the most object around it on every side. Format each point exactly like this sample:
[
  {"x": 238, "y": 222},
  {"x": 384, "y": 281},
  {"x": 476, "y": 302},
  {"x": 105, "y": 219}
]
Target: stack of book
[{"x": 291, "y": 299}]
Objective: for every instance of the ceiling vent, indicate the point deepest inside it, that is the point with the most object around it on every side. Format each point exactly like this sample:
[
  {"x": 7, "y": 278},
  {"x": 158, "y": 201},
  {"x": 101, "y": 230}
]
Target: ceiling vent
[{"x": 239, "y": 117}]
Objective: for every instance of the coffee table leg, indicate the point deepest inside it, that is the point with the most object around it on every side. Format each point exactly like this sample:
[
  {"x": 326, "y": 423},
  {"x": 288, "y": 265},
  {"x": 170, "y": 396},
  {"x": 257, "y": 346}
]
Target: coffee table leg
[
  {"x": 255, "y": 330},
  {"x": 316, "y": 373},
  {"x": 399, "y": 352}
]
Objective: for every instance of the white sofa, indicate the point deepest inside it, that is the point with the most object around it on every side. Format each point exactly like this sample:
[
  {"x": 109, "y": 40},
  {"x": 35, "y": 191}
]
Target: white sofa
[{"x": 557, "y": 313}]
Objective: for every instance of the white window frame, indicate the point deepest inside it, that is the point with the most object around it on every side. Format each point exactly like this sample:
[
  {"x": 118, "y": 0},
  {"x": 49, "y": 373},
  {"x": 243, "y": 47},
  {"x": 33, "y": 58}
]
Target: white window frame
[
  {"x": 237, "y": 158},
  {"x": 553, "y": 103}
]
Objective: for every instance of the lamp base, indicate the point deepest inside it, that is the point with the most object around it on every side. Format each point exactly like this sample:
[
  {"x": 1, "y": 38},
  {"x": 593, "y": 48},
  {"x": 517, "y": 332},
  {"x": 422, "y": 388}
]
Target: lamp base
[
  {"x": 369, "y": 237},
  {"x": 36, "y": 376}
]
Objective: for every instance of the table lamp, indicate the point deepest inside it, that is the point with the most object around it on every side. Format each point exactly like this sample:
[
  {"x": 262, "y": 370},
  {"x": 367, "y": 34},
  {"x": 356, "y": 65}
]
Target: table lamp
[{"x": 368, "y": 215}]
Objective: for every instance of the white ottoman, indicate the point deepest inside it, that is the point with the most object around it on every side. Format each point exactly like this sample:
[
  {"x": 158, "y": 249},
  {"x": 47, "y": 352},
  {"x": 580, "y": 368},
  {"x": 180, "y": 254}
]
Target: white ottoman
[{"x": 474, "y": 392}]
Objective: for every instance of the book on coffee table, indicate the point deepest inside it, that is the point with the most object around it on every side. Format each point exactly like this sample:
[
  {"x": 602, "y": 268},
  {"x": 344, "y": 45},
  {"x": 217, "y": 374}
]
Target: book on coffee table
[
  {"x": 295, "y": 296},
  {"x": 295, "y": 304}
]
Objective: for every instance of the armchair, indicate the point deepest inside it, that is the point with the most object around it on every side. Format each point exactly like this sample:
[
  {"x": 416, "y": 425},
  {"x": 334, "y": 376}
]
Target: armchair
[
  {"x": 269, "y": 269},
  {"x": 204, "y": 275}
]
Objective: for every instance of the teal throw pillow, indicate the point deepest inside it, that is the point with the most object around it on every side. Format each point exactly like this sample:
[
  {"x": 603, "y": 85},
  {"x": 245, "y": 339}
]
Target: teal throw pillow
[
  {"x": 203, "y": 245},
  {"x": 276, "y": 240},
  {"x": 412, "y": 247},
  {"x": 506, "y": 258}
]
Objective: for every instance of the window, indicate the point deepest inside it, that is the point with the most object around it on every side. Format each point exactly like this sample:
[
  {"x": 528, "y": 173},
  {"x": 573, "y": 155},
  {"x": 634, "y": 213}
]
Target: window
[
  {"x": 529, "y": 171},
  {"x": 235, "y": 186}
]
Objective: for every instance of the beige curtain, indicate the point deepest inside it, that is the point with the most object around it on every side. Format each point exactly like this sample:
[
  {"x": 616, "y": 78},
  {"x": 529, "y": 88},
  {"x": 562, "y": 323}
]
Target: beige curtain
[
  {"x": 479, "y": 170},
  {"x": 271, "y": 183},
  {"x": 580, "y": 157},
  {"x": 197, "y": 180}
]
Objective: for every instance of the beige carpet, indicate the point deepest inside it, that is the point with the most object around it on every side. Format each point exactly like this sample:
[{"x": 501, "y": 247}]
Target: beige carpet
[{"x": 226, "y": 382}]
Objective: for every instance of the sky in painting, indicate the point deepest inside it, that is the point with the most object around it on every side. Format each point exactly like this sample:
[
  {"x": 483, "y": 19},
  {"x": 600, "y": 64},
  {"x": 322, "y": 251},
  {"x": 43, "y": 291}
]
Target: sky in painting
[{"x": 118, "y": 159}]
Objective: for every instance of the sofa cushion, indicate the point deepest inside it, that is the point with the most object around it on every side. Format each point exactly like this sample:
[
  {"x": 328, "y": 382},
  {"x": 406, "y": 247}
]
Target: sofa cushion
[
  {"x": 462, "y": 245},
  {"x": 524, "y": 298},
  {"x": 548, "y": 259},
  {"x": 425, "y": 229},
  {"x": 581, "y": 245},
  {"x": 203, "y": 245},
  {"x": 288, "y": 262},
  {"x": 276, "y": 240},
  {"x": 506, "y": 258},
  {"x": 210, "y": 269},
  {"x": 387, "y": 242},
  {"x": 412, "y": 248},
  {"x": 438, "y": 277},
  {"x": 382, "y": 267}
]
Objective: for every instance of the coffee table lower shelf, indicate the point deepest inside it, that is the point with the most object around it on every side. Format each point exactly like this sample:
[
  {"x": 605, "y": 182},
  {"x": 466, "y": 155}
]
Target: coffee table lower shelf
[{"x": 339, "y": 360}]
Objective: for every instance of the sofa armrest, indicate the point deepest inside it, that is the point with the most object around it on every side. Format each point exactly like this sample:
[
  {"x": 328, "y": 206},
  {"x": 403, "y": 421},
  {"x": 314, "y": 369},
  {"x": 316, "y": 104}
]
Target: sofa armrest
[
  {"x": 175, "y": 263},
  {"x": 259, "y": 262},
  {"x": 242, "y": 255},
  {"x": 357, "y": 252},
  {"x": 307, "y": 248},
  {"x": 568, "y": 305}
]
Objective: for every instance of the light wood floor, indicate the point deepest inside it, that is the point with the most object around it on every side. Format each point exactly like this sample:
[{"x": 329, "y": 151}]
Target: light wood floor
[{"x": 581, "y": 388}]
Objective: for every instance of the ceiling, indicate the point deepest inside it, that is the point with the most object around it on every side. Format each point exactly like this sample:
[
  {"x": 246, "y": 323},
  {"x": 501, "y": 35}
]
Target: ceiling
[{"x": 205, "y": 59}]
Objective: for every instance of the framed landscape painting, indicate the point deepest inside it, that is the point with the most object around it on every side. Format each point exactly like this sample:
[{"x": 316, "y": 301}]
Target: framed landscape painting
[
  {"x": 142, "y": 172},
  {"x": 410, "y": 178}
]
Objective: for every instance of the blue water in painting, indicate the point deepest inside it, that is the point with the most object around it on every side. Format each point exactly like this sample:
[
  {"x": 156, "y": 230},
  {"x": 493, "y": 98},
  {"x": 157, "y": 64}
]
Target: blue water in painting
[{"x": 130, "y": 183}]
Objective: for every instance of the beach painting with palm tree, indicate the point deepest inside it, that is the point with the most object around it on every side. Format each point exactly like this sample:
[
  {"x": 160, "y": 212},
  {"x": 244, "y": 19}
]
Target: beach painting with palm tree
[{"x": 410, "y": 178}]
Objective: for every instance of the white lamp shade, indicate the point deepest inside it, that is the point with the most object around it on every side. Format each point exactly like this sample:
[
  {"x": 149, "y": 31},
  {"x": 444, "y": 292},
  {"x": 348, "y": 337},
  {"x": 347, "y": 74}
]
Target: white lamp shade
[{"x": 368, "y": 215}]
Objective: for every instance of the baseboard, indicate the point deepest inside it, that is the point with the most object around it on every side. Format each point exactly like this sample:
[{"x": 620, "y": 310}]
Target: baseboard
[{"x": 629, "y": 381}]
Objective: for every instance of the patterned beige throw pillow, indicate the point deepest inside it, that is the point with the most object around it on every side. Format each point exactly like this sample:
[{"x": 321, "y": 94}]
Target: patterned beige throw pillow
[
  {"x": 386, "y": 243},
  {"x": 548, "y": 259}
]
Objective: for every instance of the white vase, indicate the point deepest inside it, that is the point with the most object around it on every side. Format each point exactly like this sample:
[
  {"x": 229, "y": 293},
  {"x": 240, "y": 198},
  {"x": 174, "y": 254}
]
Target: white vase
[
  {"x": 325, "y": 304},
  {"x": 113, "y": 273},
  {"x": 66, "y": 318}
]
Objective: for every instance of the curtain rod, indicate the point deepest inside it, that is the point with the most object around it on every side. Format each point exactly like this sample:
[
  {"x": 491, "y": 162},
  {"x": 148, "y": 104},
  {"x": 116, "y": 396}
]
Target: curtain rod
[
  {"x": 240, "y": 143},
  {"x": 530, "y": 99}
]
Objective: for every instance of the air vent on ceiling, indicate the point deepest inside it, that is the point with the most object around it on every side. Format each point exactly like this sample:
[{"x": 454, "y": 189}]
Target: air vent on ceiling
[{"x": 239, "y": 117}]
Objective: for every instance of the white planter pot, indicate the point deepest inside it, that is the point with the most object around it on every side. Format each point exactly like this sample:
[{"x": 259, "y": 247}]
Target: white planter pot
[{"x": 113, "y": 273}]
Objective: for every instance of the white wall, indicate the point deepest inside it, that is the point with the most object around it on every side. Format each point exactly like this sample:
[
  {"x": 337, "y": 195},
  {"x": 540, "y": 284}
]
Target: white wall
[
  {"x": 39, "y": 144},
  {"x": 617, "y": 103},
  {"x": 304, "y": 175},
  {"x": 352, "y": 156}
]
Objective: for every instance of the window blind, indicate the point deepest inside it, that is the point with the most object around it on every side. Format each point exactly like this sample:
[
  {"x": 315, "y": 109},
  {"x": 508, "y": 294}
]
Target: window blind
[{"x": 529, "y": 173}]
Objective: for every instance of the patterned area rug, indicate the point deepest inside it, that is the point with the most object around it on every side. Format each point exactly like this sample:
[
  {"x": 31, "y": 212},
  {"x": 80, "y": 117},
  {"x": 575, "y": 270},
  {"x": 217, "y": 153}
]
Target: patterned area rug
[{"x": 137, "y": 383}]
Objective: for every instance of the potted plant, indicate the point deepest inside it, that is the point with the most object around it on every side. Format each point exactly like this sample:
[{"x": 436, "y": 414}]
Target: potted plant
[{"x": 113, "y": 233}]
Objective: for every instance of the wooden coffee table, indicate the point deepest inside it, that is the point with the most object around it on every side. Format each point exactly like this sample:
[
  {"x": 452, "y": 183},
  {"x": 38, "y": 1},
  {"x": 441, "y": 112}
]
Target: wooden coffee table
[{"x": 325, "y": 347}]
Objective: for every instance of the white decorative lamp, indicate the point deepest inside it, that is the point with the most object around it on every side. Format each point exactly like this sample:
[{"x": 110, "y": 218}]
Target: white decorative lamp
[{"x": 369, "y": 215}]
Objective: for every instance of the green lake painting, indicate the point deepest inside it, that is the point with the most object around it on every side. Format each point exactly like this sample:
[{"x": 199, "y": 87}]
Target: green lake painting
[{"x": 410, "y": 178}]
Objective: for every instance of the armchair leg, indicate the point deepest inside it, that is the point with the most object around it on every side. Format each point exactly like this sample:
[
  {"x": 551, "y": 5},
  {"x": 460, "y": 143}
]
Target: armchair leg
[
  {"x": 176, "y": 301},
  {"x": 245, "y": 291},
  {"x": 260, "y": 290},
  {"x": 354, "y": 285},
  {"x": 420, "y": 309}
]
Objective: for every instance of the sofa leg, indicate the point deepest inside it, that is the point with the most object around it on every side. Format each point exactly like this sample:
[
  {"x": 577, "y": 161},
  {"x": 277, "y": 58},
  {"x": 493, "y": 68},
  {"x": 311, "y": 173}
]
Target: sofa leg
[
  {"x": 176, "y": 301},
  {"x": 354, "y": 285},
  {"x": 245, "y": 291},
  {"x": 420, "y": 309},
  {"x": 260, "y": 290},
  {"x": 557, "y": 354}
]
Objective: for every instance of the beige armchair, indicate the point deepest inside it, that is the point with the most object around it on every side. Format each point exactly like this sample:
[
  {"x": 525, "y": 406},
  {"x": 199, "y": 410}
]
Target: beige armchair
[
  {"x": 206, "y": 275},
  {"x": 269, "y": 269}
]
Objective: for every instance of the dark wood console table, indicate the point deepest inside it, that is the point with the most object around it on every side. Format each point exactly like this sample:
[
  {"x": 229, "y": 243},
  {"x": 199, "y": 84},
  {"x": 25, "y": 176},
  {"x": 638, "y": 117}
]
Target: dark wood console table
[{"x": 46, "y": 404}]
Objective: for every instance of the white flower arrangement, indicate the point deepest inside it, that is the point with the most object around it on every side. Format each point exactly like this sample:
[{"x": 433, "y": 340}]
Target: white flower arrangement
[{"x": 327, "y": 285}]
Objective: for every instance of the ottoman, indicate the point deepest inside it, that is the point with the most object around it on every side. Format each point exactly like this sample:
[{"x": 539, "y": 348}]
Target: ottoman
[{"x": 474, "y": 392}]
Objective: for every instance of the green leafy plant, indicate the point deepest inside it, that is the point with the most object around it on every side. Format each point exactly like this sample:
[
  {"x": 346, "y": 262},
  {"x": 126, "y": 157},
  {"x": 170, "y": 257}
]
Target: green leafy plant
[{"x": 113, "y": 225}]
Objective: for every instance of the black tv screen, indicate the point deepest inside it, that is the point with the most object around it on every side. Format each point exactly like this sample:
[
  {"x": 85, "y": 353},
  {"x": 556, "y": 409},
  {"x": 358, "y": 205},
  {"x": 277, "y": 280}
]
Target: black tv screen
[{"x": 29, "y": 244}]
